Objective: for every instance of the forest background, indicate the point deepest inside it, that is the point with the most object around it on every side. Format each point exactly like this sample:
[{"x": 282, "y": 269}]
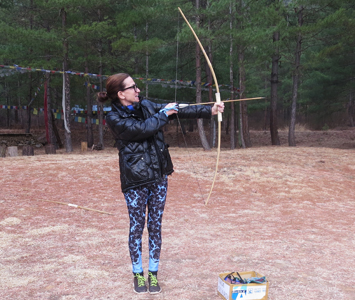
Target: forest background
[{"x": 299, "y": 55}]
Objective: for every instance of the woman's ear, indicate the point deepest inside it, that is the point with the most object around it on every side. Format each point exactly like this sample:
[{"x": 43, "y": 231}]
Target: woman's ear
[{"x": 120, "y": 95}]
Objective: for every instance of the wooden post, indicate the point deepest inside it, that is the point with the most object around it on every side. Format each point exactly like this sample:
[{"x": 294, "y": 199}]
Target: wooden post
[
  {"x": 12, "y": 151},
  {"x": 3, "y": 150},
  {"x": 50, "y": 149},
  {"x": 84, "y": 146},
  {"x": 27, "y": 150}
]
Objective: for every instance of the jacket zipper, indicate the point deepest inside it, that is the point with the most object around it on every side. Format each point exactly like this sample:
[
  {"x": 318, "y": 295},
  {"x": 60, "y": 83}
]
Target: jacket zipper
[{"x": 157, "y": 150}]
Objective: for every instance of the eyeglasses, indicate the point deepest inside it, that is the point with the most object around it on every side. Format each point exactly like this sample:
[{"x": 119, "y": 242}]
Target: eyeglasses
[{"x": 135, "y": 87}]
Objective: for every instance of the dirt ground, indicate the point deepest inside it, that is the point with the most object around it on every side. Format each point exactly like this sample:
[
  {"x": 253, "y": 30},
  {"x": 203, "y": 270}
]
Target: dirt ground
[{"x": 285, "y": 212}]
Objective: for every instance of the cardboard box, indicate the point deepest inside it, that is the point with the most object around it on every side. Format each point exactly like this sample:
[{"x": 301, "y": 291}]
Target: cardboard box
[{"x": 250, "y": 291}]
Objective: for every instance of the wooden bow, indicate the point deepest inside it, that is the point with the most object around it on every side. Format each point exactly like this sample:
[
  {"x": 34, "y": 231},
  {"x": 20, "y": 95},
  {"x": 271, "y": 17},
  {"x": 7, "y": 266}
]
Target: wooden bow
[{"x": 218, "y": 100}]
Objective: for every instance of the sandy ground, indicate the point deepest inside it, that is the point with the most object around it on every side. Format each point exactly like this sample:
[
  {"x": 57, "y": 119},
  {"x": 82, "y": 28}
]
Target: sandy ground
[{"x": 285, "y": 212}]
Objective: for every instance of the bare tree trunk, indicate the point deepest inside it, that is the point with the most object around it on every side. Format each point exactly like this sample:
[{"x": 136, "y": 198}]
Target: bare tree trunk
[
  {"x": 212, "y": 137},
  {"x": 266, "y": 109},
  {"x": 275, "y": 140},
  {"x": 231, "y": 79},
  {"x": 146, "y": 62},
  {"x": 100, "y": 112},
  {"x": 21, "y": 121},
  {"x": 55, "y": 130},
  {"x": 89, "y": 131},
  {"x": 89, "y": 102},
  {"x": 18, "y": 105},
  {"x": 351, "y": 109},
  {"x": 68, "y": 141},
  {"x": 28, "y": 125},
  {"x": 136, "y": 62},
  {"x": 100, "y": 105},
  {"x": 46, "y": 121},
  {"x": 241, "y": 134},
  {"x": 243, "y": 108},
  {"x": 51, "y": 137},
  {"x": 201, "y": 130},
  {"x": 8, "y": 109},
  {"x": 295, "y": 79},
  {"x": 243, "y": 104}
]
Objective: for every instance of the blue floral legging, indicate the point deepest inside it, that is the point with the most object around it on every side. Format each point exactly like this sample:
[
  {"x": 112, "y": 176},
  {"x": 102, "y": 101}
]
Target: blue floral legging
[{"x": 137, "y": 199}]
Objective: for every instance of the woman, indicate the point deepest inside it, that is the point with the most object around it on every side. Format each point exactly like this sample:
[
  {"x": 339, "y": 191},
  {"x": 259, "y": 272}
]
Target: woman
[{"x": 145, "y": 163}]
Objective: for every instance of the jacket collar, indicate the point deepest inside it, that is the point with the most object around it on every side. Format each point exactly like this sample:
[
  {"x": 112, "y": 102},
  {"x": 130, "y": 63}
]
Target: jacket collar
[{"x": 126, "y": 111}]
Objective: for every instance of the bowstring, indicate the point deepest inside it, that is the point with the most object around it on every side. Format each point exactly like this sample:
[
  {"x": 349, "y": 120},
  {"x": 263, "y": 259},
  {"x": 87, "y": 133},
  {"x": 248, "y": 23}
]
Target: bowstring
[{"x": 177, "y": 117}]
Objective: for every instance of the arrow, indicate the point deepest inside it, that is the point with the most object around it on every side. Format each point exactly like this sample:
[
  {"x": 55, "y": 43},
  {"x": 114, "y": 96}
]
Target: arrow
[
  {"x": 234, "y": 100},
  {"x": 77, "y": 206}
]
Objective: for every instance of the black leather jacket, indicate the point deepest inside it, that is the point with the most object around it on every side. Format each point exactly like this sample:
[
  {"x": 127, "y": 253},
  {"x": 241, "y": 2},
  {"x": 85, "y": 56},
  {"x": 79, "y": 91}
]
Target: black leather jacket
[{"x": 143, "y": 155}]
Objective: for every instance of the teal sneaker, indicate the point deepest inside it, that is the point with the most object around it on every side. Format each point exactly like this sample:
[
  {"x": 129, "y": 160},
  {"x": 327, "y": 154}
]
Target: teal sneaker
[
  {"x": 154, "y": 287},
  {"x": 139, "y": 284}
]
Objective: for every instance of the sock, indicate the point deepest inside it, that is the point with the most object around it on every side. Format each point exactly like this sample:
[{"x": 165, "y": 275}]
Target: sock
[{"x": 155, "y": 273}]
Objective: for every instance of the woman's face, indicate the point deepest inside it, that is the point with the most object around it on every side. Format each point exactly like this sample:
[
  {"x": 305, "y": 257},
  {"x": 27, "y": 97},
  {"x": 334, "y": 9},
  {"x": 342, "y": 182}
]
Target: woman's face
[{"x": 130, "y": 92}]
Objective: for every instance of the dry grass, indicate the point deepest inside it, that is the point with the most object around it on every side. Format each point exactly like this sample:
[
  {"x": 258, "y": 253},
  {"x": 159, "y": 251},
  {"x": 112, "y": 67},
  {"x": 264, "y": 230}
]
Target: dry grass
[{"x": 287, "y": 213}]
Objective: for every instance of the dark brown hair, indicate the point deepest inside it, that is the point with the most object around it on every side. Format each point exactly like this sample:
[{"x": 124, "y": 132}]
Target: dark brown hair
[{"x": 114, "y": 84}]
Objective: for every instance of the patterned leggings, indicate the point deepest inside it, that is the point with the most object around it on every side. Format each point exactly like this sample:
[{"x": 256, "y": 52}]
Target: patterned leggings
[{"x": 153, "y": 196}]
